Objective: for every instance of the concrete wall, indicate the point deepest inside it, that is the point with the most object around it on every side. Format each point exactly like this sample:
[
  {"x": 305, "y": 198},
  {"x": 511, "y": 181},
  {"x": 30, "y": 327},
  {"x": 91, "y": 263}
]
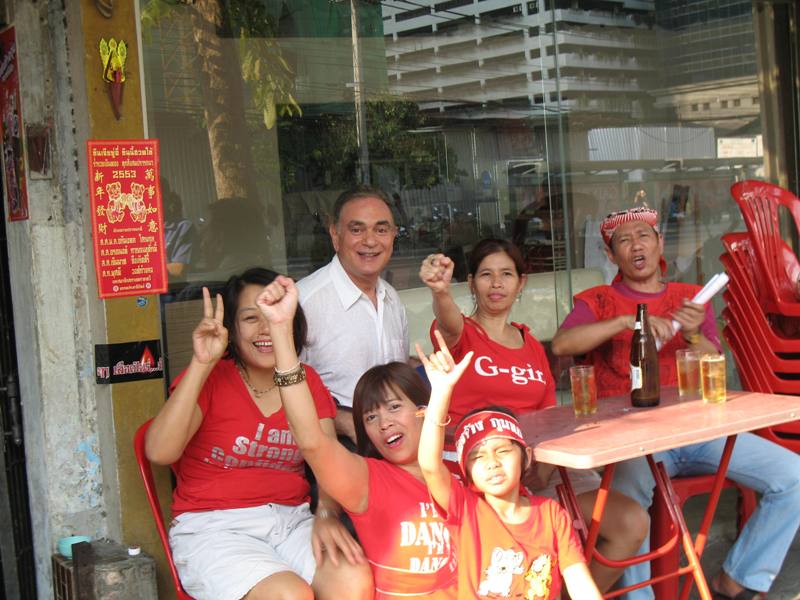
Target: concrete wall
[
  {"x": 55, "y": 310},
  {"x": 82, "y": 475}
]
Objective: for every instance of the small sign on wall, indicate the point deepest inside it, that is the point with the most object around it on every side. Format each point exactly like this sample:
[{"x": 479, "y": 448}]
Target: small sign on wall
[
  {"x": 129, "y": 361},
  {"x": 127, "y": 217},
  {"x": 11, "y": 128}
]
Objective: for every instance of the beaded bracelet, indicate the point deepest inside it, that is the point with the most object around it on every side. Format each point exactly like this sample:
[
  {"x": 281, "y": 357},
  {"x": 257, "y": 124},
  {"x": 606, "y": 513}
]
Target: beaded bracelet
[
  {"x": 287, "y": 371},
  {"x": 291, "y": 377}
]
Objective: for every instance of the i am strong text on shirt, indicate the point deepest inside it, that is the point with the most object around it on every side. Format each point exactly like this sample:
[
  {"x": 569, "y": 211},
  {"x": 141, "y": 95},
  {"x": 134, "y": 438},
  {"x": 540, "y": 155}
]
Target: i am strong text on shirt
[{"x": 276, "y": 451}]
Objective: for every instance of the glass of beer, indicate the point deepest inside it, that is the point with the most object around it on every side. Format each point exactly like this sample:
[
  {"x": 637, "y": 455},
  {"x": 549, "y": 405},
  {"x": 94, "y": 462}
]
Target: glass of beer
[
  {"x": 584, "y": 390},
  {"x": 712, "y": 375},
  {"x": 688, "y": 362}
]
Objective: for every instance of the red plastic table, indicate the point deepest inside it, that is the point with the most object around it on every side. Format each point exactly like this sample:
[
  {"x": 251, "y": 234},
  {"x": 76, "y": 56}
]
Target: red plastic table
[{"x": 619, "y": 432}]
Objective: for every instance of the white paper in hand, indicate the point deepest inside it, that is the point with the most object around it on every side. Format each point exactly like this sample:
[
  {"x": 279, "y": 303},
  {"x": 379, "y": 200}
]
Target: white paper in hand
[{"x": 710, "y": 289}]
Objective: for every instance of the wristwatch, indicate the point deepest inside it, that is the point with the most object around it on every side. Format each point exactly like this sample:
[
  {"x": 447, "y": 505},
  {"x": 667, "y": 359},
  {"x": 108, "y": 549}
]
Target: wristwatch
[{"x": 691, "y": 338}]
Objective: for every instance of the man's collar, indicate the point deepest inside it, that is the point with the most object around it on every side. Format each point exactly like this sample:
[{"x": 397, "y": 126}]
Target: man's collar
[{"x": 346, "y": 289}]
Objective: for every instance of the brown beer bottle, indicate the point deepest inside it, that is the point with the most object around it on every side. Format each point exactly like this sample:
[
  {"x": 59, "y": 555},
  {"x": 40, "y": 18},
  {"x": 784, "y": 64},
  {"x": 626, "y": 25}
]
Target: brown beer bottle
[{"x": 645, "y": 384}]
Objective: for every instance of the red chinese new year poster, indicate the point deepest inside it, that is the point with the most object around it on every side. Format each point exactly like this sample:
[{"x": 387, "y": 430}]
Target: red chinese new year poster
[
  {"x": 11, "y": 128},
  {"x": 127, "y": 218}
]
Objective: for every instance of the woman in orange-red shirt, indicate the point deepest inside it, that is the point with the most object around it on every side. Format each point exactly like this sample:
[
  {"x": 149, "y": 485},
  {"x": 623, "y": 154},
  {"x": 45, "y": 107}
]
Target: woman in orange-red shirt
[{"x": 403, "y": 536}]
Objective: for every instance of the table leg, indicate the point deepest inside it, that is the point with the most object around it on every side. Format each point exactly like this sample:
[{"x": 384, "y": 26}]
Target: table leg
[
  {"x": 569, "y": 501},
  {"x": 599, "y": 508},
  {"x": 664, "y": 487},
  {"x": 711, "y": 507},
  {"x": 567, "y": 496},
  {"x": 665, "y": 490}
]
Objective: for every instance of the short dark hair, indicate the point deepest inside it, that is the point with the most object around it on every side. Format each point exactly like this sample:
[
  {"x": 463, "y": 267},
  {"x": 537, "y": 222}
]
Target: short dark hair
[
  {"x": 489, "y": 246},
  {"x": 357, "y": 193},
  {"x": 503, "y": 410},
  {"x": 230, "y": 297},
  {"x": 371, "y": 392}
]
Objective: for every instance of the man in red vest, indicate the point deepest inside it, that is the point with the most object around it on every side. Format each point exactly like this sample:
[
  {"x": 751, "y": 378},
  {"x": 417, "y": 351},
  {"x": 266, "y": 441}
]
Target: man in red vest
[
  {"x": 600, "y": 328},
  {"x": 601, "y": 324}
]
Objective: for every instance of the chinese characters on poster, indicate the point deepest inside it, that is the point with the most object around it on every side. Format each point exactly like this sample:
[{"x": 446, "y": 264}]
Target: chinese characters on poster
[{"x": 127, "y": 220}]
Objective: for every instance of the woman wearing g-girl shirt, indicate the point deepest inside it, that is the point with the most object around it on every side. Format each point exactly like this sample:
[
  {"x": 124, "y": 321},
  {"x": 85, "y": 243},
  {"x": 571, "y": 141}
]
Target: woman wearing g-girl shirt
[
  {"x": 509, "y": 362},
  {"x": 510, "y": 368},
  {"x": 404, "y": 538}
]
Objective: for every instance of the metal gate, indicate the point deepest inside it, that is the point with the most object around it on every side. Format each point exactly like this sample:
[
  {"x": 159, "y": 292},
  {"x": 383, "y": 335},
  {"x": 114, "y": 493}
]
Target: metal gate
[{"x": 18, "y": 571}]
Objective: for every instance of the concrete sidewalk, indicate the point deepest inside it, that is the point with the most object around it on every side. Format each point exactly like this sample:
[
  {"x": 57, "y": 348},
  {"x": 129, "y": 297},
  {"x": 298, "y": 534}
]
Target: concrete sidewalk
[{"x": 722, "y": 536}]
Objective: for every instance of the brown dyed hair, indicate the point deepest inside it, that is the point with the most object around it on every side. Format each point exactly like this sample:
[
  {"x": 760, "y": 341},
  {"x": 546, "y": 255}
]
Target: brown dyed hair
[
  {"x": 489, "y": 246},
  {"x": 370, "y": 392}
]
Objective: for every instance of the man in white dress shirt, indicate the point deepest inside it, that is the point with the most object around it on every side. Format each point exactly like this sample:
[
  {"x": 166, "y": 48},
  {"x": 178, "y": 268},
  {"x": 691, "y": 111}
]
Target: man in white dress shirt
[{"x": 355, "y": 318}]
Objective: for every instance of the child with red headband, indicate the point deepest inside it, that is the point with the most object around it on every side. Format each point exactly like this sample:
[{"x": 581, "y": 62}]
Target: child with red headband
[{"x": 510, "y": 544}]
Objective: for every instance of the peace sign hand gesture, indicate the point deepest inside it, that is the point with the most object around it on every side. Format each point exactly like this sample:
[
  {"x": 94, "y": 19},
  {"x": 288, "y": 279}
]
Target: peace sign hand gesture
[
  {"x": 210, "y": 337},
  {"x": 441, "y": 369}
]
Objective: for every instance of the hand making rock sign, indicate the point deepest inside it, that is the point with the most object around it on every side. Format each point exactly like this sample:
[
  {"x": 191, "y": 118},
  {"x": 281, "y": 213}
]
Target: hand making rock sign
[{"x": 381, "y": 488}]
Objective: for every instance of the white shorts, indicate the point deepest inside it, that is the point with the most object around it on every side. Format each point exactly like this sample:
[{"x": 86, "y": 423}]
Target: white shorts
[
  {"x": 582, "y": 480},
  {"x": 223, "y": 554}
]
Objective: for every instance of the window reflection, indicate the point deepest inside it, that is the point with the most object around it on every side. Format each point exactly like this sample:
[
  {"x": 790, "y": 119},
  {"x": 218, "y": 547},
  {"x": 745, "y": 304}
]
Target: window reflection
[{"x": 528, "y": 120}]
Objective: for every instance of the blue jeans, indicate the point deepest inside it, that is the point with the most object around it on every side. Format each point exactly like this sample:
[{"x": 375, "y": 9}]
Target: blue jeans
[{"x": 756, "y": 558}]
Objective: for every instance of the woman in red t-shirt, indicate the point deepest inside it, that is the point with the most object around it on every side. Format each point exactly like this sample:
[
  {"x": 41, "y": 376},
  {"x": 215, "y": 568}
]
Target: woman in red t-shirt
[
  {"x": 510, "y": 368},
  {"x": 405, "y": 539},
  {"x": 242, "y": 526}
]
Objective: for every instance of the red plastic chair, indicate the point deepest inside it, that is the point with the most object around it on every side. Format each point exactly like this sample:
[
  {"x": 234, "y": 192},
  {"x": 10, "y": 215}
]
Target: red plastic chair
[
  {"x": 740, "y": 299},
  {"x": 146, "y": 471},
  {"x": 749, "y": 357},
  {"x": 748, "y": 285},
  {"x": 744, "y": 325},
  {"x": 661, "y": 527},
  {"x": 759, "y": 203},
  {"x": 745, "y": 268},
  {"x": 747, "y": 320},
  {"x": 743, "y": 265},
  {"x": 786, "y": 434},
  {"x": 764, "y": 362},
  {"x": 752, "y": 379}
]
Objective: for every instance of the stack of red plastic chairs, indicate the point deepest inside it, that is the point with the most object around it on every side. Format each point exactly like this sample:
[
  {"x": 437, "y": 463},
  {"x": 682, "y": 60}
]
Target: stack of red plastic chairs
[{"x": 763, "y": 299}]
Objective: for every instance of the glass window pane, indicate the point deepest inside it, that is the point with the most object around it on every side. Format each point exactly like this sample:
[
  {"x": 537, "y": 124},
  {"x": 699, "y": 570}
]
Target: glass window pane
[{"x": 524, "y": 120}]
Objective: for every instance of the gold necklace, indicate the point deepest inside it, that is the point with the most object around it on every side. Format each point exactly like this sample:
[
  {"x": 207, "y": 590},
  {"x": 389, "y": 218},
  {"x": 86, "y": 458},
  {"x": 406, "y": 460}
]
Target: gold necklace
[{"x": 246, "y": 379}]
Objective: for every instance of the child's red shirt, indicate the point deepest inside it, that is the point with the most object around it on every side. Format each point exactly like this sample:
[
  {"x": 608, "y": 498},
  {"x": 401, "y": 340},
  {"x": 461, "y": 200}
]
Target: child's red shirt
[{"x": 498, "y": 560}]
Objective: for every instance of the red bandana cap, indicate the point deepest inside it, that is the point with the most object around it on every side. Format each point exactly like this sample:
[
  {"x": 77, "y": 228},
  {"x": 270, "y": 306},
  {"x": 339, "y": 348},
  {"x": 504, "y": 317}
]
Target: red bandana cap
[
  {"x": 615, "y": 219},
  {"x": 481, "y": 426}
]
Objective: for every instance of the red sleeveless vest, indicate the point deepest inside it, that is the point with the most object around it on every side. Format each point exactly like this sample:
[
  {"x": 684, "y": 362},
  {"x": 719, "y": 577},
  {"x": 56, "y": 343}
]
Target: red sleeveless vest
[{"x": 611, "y": 360}]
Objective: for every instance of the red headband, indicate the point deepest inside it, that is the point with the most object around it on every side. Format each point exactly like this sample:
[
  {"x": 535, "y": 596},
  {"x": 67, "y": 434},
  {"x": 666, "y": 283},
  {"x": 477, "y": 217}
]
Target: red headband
[
  {"x": 615, "y": 219},
  {"x": 481, "y": 426}
]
